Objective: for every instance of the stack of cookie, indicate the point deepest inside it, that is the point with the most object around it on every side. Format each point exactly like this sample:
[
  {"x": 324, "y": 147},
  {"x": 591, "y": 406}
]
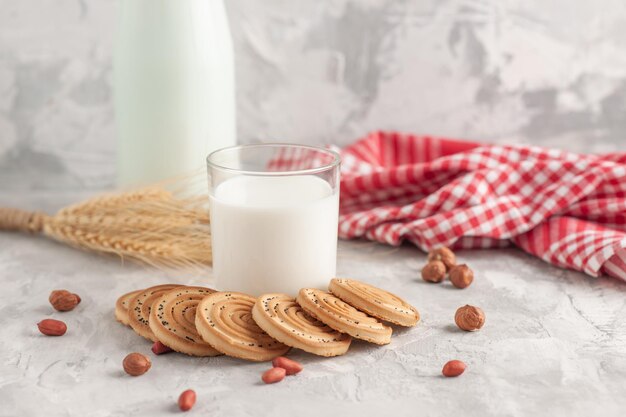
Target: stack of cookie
[{"x": 202, "y": 322}]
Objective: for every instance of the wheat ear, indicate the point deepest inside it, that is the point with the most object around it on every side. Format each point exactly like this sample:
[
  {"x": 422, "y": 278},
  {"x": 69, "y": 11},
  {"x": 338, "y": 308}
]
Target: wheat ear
[{"x": 150, "y": 225}]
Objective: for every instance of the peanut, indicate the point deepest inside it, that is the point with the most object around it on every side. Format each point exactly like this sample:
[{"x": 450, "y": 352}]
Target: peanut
[
  {"x": 136, "y": 364},
  {"x": 187, "y": 400},
  {"x": 159, "y": 348},
  {"x": 63, "y": 300},
  {"x": 290, "y": 366},
  {"x": 274, "y": 375},
  {"x": 453, "y": 368},
  {"x": 51, "y": 327}
]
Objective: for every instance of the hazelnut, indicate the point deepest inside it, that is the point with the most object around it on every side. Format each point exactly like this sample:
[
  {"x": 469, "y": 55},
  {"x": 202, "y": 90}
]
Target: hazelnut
[
  {"x": 444, "y": 255},
  {"x": 469, "y": 318},
  {"x": 461, "y": 276},
  {"x": 63, "y": 300},
  {"x": 136, "y": 364},
  {"x": 434, "y": 271}
]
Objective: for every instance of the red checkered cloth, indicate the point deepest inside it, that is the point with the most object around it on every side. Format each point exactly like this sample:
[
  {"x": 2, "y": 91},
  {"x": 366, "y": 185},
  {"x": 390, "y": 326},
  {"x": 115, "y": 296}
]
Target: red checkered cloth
[{"x": 565, "y": 208}]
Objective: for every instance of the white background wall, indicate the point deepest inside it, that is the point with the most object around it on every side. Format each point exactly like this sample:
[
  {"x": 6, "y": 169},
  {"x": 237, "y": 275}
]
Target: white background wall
[{"x": 549, "y": 72}]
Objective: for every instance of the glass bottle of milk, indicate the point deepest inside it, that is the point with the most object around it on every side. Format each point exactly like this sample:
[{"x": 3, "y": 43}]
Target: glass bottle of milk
[{"x": 174, "y": 87}]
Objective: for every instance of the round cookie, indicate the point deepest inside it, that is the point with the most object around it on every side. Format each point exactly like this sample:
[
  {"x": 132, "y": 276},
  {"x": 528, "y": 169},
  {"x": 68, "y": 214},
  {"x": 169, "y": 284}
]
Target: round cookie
[
  {"x": 121, "y": 306},
  {"x": 139, "y": 309},
  {"x": 224, "y": 320},
  {"x": 342, "y": 317},
  {"x": 374, "y": 301},
  {"x": 172, "y": 320},
  {"x": 283, "y": 319}
]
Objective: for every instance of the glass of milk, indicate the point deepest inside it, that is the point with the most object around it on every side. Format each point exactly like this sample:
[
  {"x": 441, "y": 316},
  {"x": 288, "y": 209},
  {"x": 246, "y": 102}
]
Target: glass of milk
[{"x": 274, "y": 214}]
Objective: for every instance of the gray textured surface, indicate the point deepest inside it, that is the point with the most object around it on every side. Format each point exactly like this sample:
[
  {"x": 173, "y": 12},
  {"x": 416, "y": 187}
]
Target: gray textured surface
[
  {"x": 551, "y": 73},
  {"x": 553, "y": 344}
]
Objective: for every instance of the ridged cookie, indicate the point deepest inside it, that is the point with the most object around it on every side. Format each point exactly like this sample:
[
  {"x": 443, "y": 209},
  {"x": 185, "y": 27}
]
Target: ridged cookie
[
  {"x": 121, "y": 306},
  {"x": 374, "y": 301},
  {"x": 173, "y": 318},
  {"x": 283, "y": 319},
  {"x": 224, "y": 320},
  {"x": 342, "y": 317},
  {"x": 139, "y": 309}
]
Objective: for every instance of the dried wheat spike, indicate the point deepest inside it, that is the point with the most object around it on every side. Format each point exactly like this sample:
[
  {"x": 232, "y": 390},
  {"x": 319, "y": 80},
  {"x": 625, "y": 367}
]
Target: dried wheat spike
[{"x": 150, "y": 225}]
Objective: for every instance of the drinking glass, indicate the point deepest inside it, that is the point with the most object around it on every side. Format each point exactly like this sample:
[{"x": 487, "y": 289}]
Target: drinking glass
[{"x": 274, "y": 212}]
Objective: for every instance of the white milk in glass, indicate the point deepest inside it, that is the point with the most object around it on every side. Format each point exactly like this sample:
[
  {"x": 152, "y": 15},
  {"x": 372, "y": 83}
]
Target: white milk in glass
[{"x": 274, "y": 234}]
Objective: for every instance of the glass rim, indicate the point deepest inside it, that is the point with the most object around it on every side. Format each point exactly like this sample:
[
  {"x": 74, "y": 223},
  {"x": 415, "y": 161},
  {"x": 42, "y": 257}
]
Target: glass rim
[{"x": 336, "y": 159}]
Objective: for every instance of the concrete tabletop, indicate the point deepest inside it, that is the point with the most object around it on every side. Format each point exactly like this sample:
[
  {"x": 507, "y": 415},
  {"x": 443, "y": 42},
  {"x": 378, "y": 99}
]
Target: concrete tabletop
[{"x": 554, "y": 342}]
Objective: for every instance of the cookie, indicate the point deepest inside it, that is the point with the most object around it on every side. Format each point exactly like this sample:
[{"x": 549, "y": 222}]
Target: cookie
[
  {"x": 342, "y": 317},
  {"x": 282, "y": 318},
  {"x": 375, "y": 302},
  {"x": 139, "y": 309},
  {"x": 173, "y": 317},
  {"x": 224, "y": 320},
  {"x": 121, "y": 306}
]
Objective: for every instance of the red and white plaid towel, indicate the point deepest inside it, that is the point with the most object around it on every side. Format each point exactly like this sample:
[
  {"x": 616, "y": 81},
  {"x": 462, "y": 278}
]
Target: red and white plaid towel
[{"x": 567, "y": 209}]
